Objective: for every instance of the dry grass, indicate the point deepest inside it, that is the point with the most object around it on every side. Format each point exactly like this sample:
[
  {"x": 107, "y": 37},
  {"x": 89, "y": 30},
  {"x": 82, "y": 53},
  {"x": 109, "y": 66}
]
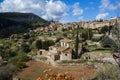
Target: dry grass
[{"x": 36, "y": 69}]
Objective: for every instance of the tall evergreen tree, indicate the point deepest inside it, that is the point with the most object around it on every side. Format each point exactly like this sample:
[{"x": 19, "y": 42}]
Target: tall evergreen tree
[{"x": 76, "y": 43}]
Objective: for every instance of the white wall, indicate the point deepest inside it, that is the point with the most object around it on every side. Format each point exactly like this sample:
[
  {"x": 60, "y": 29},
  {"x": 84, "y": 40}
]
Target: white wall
[
  {"x": 54, "y": 50},
  {"x": 64, "y": 57}
]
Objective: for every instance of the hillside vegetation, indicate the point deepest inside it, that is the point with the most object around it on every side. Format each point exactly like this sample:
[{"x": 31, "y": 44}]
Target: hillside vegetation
[{"x": 11, "y": 23}]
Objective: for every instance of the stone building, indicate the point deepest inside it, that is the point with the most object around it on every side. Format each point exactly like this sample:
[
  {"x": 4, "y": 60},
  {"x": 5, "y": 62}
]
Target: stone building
[{"x": 62, "y": 52}]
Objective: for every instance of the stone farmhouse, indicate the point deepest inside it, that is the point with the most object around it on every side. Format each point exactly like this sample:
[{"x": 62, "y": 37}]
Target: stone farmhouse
[{"x": 63, "y": 51}]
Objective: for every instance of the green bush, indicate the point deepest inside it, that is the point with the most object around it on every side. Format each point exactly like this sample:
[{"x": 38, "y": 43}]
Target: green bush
[
  {"x": 43, "y": 58},
  {"x": 104, "y": 29},
  {"x": 32, "y": 47},
  {"x": 20, "y": 65},
  {"x": 6, "y": 53},
  {"x": 21, "y": 57},
  {"x": 107, "y": 42},
  {"x": 47, "y": 43},
  {"x": 95, "y": 39},
  {"x": 95, "y": 61},
  {"x": 115, "y": 47},
  {"x": 91, "y": 47},
  {"x": 110, "y": 72},
  {"x": 81, "y": 61},
  {"x": 6, "y": 72},
  {"x": 39, "y": 44},
  {"x": 87, "y": 34},
  {"x": 24, "y": 48}
]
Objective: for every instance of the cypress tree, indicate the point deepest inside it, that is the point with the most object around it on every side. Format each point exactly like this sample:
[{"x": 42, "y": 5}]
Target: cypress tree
[{"x": 76, "y": 43}]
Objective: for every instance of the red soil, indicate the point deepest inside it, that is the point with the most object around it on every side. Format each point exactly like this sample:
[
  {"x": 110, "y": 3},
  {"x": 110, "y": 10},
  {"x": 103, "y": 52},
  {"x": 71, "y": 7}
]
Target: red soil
[{"x": 36, "y": 69}]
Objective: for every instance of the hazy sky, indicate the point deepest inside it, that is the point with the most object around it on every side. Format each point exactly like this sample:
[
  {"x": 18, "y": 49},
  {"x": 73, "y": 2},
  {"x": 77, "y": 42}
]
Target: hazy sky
[{"x": 64, "y": 10}]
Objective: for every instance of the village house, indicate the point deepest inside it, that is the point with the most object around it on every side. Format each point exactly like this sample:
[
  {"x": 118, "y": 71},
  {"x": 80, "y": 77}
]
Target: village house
[
  {"x": 63, "y": 51},
  {"x": 95, "y": 24},
  {"x": 42, "y": 52},
  {"x": 66, "y": 43}
]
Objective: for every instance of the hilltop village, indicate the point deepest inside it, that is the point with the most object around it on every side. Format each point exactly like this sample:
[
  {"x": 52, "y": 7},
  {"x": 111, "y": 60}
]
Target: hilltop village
[
  {"x": 64, "y": 36},
  {"x": 95, "y": 24},
  {"x": 58, "y": 44}
]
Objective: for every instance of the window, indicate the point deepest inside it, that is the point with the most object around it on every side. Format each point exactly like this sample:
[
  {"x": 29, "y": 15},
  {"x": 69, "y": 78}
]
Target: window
[
  {"x": 66, "y": 44},
  {"x": 65, "y": 54},
  {"x": 50, "y": 48},
  {"x": 62, "y": 44},
  {"x": 40, "y": 52}
]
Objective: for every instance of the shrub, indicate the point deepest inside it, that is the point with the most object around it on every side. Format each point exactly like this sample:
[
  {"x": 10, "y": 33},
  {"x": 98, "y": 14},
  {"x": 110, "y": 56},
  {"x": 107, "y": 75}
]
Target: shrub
[
  {"x": 95, "y": 60},
  {"x": 87, "y": 34},
  {"x": 95, "y": 39},
  {"x": 24, "y": 48},
  {"x": 32, "y": 47},
  {"x": 104, "y": 29},
  {"x": 38, "y": 44},
  {"x": 31, "y": 40},
  {"x": 107, "y": 42},
  {"x": 7, "y": 53},
  {"x": 20, "y": 65},
  {"x": 43, "y": 58},
  {"x": 6, "y": 72},
  {"x": 115, "y": 47},
  {"x": 91, "y": 47},
  {"x": 47, "y": 43},
  {"x": 19, "y": 58},
  {"x": 22, "y": 57},
  {"x": 110, "y": 72},
  {"x": 81, "y": 61}
]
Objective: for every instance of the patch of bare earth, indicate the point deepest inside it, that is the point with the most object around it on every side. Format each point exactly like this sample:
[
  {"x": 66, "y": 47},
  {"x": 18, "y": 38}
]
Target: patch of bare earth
[{"x": 36, "y": 69}]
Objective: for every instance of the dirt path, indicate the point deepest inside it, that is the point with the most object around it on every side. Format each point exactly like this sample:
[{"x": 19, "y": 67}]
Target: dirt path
[{"x": 36, "y": 69}]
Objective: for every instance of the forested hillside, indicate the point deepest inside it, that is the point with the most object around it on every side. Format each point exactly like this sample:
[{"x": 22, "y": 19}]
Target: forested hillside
[{"x": 12, "y": 22}]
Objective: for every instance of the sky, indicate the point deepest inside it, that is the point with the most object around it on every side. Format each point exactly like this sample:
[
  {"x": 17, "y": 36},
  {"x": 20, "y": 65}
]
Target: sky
[{"x": 64, "y": 10}]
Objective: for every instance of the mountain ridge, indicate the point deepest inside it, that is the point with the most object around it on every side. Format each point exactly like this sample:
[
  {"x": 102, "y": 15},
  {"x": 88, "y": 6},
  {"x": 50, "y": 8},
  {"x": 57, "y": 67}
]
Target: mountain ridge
[{"x": 19, "y": 22}]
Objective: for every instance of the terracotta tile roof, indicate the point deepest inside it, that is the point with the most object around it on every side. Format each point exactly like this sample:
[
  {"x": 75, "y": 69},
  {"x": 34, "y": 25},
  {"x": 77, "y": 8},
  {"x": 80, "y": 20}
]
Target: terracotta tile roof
[
  {"x": 62, "y": 49},
  {"x": 66, "y": 40},
  {"x": 53, "y": 54},
  {"x": 58, "y": 48},
  {"x": 68, "y": 50}
]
